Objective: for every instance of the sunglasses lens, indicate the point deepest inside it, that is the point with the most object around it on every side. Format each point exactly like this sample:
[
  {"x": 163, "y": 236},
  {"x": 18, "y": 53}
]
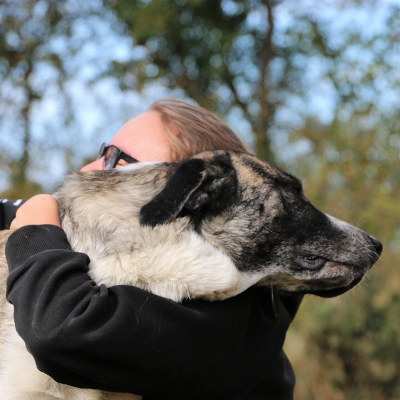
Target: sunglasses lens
[{"x": 111, "y": 155}]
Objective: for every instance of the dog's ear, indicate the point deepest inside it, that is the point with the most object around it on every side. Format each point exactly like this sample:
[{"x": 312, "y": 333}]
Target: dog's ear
[{"x": 197, "y": 186}]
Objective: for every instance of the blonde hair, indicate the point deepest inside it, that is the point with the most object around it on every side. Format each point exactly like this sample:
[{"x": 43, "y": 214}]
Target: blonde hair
[{"x": 192, "y": 129}]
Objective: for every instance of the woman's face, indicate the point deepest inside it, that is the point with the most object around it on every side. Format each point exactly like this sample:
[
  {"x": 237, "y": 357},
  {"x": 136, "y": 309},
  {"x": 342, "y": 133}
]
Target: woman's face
[{"x": 143, "y": 137}]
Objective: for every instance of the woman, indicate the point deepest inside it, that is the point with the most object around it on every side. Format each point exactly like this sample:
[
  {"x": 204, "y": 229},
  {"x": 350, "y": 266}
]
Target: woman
[{"x": 127, "y": 340}]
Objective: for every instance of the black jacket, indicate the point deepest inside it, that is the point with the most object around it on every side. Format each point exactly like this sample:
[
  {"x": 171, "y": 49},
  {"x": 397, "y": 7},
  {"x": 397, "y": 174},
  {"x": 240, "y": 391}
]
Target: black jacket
[{"x": 128, "y": 340}]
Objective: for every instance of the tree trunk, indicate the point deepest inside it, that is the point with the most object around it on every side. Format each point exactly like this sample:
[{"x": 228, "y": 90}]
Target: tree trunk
[{"x": 266, "y": 112}]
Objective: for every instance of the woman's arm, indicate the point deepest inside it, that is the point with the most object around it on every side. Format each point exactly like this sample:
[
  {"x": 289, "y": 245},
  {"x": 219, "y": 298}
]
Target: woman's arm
[{"x": 123, "y": 338}]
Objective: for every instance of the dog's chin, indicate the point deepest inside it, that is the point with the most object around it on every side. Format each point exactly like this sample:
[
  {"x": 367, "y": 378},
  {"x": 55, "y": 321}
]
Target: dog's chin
[{"x": 332, "y": 292}]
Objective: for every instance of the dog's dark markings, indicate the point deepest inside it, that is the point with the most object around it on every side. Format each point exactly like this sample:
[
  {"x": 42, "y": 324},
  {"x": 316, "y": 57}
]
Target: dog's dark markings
[
  {"x": 219, "y": 189},
  {"x": 196, "y": 188},
  {"x": 170, "y": 201}
]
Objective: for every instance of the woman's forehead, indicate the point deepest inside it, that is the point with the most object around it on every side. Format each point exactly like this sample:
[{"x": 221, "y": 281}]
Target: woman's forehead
[{"x": 144, "y": 137}]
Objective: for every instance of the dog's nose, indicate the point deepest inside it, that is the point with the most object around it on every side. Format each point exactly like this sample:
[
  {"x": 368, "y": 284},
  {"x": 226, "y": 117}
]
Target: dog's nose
[{"x": 377, "y": 245}]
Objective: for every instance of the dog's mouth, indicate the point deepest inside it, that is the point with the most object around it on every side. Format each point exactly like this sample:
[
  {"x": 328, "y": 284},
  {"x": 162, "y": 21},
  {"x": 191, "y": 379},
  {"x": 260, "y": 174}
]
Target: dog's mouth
[
  {"x": 332, "y": 292},
  {"x": 348, "y": 276},
  {"x": 331, "y": 281}
]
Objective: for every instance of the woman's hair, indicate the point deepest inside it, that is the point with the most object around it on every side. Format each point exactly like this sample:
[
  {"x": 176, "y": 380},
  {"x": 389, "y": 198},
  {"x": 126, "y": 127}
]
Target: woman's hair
[{"x": 192, "y": 129}]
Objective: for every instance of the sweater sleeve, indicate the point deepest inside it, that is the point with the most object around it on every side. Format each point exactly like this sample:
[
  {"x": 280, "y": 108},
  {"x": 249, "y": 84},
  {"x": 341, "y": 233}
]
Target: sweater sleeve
[
  {"x": 8, "y": 210},
  {"x": 124, "y": 339}
]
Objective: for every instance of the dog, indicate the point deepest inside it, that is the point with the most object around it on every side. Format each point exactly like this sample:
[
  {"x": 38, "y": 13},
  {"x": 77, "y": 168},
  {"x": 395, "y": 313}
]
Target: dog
[{"x": 208, "y": 227}]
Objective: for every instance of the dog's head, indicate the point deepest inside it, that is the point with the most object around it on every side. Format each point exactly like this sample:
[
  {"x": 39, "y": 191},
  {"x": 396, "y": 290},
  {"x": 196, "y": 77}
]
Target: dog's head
[{"x": 260, "y": 217}]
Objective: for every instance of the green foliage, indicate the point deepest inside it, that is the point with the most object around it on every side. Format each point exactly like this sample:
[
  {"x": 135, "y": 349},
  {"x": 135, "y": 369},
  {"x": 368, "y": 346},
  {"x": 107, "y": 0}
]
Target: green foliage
[{"x": 351, "y": 345}]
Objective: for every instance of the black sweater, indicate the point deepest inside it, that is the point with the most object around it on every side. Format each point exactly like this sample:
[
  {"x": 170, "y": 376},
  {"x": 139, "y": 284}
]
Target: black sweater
[{"x": 127, "y": 340}]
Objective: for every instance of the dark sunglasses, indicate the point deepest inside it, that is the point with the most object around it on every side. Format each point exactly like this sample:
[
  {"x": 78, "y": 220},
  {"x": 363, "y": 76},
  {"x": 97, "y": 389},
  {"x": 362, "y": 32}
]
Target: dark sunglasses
[{"x": 112, "y": 154}]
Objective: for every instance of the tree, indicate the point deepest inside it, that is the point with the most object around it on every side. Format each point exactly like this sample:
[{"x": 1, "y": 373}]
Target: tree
[
  {"x": 38, "y": 45},
  {"x": 245, "y": 56},
  {"x": 210, "y": 51}
]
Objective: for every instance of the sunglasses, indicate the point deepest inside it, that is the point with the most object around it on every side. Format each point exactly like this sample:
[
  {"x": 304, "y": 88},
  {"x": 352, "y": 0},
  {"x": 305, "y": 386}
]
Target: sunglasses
[{"x": 112, "y": 154}]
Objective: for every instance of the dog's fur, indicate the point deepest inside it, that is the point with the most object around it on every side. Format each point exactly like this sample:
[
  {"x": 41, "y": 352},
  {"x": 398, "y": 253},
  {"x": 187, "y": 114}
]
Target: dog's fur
[{"x": 209, "y": 227}]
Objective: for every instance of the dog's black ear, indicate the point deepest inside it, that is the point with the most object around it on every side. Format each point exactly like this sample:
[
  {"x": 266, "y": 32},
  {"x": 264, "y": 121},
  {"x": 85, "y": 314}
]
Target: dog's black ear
[
  {"x": 196, "y": 186},
  {"x": 170, "y": 201}
]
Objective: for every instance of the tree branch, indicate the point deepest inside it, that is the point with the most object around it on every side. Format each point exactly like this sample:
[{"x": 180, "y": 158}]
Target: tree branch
[
  {"x": 229, "y": 81},
  {"x": 266, "y": 54}
]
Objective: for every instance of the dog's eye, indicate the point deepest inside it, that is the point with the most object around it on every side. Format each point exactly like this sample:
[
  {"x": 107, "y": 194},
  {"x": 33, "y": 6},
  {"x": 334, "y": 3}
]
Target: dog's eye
[{"x": 310, "y": 261}]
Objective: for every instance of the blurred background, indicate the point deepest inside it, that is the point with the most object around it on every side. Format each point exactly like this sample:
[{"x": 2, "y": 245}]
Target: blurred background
[{"x": 313, "y": 86}]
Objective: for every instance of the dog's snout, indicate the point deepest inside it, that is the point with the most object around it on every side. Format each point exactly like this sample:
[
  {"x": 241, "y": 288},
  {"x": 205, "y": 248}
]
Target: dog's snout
[{"x": 377, "y": 245}]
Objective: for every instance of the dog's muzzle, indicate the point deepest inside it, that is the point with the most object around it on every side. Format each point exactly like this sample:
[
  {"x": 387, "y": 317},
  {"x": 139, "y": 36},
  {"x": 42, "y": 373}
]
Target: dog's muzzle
[{"x": 375, "y": 254}]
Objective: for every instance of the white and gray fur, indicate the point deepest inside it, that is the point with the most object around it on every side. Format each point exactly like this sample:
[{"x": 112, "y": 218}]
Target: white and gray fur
[{"x": 209, "y": 227}]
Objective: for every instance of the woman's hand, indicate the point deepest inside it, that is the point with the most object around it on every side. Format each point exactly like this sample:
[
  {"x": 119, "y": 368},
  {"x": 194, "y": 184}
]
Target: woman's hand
[{"x": 38, "y": 210}]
